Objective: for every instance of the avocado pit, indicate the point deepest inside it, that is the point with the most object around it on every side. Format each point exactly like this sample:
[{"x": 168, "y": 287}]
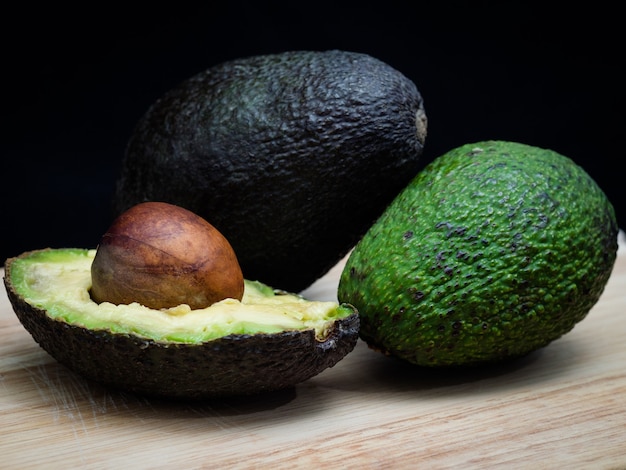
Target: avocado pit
[{"x": 162, "y": 255}]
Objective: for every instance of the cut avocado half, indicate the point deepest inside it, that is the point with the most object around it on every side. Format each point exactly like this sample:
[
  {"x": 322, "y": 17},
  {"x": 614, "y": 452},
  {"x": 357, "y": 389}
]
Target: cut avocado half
[{"x": 269, "y": 340}]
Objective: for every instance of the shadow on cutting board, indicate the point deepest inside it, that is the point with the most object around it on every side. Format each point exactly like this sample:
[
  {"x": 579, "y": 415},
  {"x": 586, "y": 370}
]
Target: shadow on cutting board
[
  {"x": 53, "y": 388},
  {"x": 368, "y": 371}
]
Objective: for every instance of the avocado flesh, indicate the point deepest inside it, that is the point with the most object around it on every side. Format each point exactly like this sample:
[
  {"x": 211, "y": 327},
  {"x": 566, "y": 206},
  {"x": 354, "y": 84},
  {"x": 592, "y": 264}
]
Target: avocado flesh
[{"x": 58, "y": 281}]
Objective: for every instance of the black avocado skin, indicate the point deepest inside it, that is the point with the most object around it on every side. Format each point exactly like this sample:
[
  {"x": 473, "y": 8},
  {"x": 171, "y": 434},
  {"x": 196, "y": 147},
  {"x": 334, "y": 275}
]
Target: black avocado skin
[{"x": 291, "y": 156}]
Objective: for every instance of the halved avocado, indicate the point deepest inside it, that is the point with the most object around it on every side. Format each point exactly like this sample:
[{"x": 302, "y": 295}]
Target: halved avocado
[{"x": 269, "y": 340}]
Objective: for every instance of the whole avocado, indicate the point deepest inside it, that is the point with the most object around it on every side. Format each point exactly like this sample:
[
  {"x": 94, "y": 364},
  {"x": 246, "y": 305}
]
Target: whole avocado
[
  {"x": 494, "y": 250},
  {"x": 291, "y": 156}
]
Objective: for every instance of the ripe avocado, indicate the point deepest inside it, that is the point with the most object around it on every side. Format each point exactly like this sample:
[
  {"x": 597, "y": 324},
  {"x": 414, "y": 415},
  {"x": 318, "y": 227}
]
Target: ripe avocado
[
  {"x": 268, "y": 341},
  {"x": 494, "y": 250},
  {"x": 291, "y": 156}
]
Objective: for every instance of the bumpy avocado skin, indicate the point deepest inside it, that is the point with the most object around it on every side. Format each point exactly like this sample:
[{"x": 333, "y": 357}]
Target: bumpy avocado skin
[
  {"x": 494, "y": 250},
  {"x": 292, "y": 156},
  {"x": 233, "y": 365}
]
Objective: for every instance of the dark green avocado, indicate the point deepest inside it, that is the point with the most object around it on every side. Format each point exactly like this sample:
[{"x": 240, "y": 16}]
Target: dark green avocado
[
  {"x": 493, "y": 251},
  {"x": 292, "y": 156},
  {"x": 270, "y": 340}
]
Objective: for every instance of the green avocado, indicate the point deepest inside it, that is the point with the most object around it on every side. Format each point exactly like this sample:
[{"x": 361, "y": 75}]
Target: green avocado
[
  {"x": 267, "y": 341},
  {"x": 291, "y": 156},
  {"x": 493, "y": 251}
]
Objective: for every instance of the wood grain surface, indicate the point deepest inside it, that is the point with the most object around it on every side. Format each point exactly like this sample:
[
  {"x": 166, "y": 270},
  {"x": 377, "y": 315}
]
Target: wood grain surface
[{"x": 563, "y": 407}]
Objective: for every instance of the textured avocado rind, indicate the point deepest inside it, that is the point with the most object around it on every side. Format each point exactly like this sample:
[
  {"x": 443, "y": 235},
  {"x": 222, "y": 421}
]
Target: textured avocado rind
[
  {"x": 493, "y": 251},
  {"x": 277, "y": 151},
  {"x": 239, "y": 364}
]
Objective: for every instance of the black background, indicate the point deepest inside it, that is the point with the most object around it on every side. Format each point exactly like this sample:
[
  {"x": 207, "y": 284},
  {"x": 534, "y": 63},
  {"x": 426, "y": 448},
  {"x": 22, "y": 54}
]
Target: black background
[{"x": 77, "y": 80}]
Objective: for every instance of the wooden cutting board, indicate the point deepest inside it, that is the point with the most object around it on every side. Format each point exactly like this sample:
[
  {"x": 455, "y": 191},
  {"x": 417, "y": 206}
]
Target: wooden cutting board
[{"x": 562, "y": 407}]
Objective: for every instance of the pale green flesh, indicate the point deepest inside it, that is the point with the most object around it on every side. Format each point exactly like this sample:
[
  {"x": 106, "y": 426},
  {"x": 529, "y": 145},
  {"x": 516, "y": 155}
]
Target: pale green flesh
[{"x": 58, "y": 281}]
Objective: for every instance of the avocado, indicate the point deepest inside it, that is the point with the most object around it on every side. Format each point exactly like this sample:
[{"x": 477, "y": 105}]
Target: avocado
[
  {"x": 493, "y": 251},
  {"x": 291, "y": 156},
  {"x": 269, "y": 340}
]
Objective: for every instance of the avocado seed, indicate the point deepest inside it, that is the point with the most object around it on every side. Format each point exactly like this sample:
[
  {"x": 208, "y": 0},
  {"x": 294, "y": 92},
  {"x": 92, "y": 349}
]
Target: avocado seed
[{"x": 161, "y": 255}]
